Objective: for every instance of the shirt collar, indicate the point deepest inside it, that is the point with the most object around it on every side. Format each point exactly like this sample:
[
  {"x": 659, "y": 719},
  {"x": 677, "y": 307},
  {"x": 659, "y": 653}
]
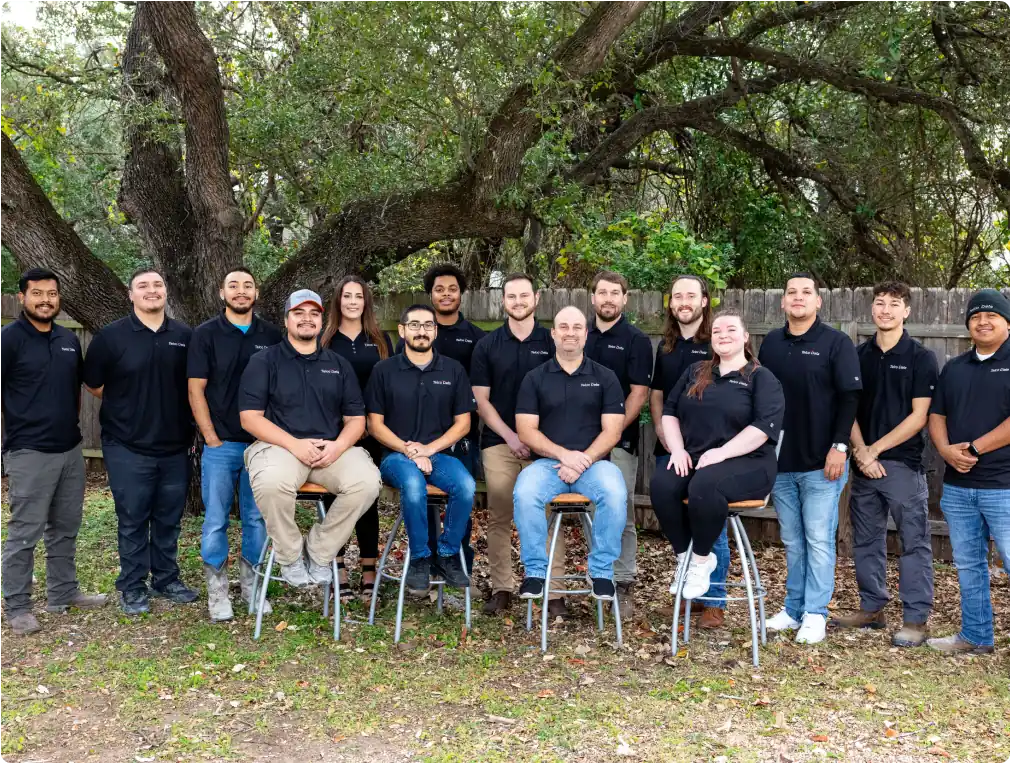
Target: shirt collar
[
  {"x": 1003, "y": 353},
  {"x": 534, "y": 334},
  {"x": 618, "y": 324},
  {"x": 227, "y": 325},
  {"x": 749, "y": 368},
  {"x": 138, "y": 325},
  {"x": 810, "y": 335},
  {"x": 899, "y": 349},
  {"x": 555, "y": 368},
  {"x": 289, "y": 351},
  {"x": 28, "y": 326},
  {"x": 406, "y": 365},
  {"x": 460, "y": 324}
]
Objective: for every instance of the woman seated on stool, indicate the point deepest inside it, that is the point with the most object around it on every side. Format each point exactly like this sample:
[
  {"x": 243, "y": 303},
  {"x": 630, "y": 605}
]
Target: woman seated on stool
[{"x": 721, "y": 422}]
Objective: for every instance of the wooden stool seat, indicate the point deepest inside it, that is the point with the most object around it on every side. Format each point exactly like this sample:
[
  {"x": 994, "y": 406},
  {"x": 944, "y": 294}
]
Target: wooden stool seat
[
  {"x": 435, "y": 492},
  {"x": 570, "y": 499},
  {"x": 311, "y": 488},
  {"x": 744, "y": 505}
]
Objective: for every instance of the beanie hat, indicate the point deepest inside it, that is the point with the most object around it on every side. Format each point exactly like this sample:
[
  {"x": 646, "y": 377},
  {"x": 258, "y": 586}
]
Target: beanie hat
[{"x": 987, "y": 301}]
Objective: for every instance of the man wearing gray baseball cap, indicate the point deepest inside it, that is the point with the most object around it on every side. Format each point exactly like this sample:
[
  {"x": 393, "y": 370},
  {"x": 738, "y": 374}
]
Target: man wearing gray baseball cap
[{"x": 303, "y": 405}]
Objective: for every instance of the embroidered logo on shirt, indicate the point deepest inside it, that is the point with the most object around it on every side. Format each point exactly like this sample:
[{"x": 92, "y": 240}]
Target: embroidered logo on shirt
[
  {"x": 443, "y": 383},
  {"x": 589, "y": 384},
  {"x": 464, "y": 339},
  {"x": 615, "y": 347},
  {"x": 998, "y": 370},
  {"x": 260, "y": 346},
  {"x": 539, "y": 352},
  {"x": 177, "y": 344},
  {"x": 809, "y": 352},
  {"x": 739, "y": 383},
  {"x": 68, "y": 349},
  {"x": 898, "y": 368},
  {"x": 699, "y": 352},
  {"x": 329, "y": 371}
]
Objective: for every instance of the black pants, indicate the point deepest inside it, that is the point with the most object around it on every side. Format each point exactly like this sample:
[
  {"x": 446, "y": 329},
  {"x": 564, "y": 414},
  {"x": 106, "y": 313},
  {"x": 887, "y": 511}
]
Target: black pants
[
  {"x": 150, "y": 495},
  {"x": 709, "y": 492},
  {"x": 366, "y": 529}
]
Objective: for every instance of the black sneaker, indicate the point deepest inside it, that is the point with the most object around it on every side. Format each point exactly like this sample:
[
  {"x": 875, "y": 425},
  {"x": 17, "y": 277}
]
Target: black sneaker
[
  {"x": 419, "y": 576},
  {"x": 176, "y": 591},
  {"x": 451, "y": 570},
  {"x": 134, "y": 602},
  {"x": 532, "y": 588},
  {"x": 603, "y": 589}
]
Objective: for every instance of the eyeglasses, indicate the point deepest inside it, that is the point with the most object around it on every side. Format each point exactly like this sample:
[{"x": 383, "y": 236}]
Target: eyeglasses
[{"x": 417, "y": 325}]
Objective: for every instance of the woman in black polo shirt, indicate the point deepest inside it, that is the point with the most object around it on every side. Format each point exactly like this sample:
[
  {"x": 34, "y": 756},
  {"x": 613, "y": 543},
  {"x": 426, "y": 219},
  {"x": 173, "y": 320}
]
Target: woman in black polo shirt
[
  {"x": 721, "y": 421},
  {"x": 353, "y": 331}
]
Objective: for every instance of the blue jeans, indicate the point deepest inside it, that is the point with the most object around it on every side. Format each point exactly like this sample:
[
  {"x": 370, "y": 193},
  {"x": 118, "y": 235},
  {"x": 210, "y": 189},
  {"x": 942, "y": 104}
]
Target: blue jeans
[
  {"x": 972, "y": 516},
  {"x": 448, "y": 474},
  {"x": 602, "y": 483},
  {"x": 807, "y": 507},
  {"x": 220, "y": 468},
  {"x": 720, "y": 548}
]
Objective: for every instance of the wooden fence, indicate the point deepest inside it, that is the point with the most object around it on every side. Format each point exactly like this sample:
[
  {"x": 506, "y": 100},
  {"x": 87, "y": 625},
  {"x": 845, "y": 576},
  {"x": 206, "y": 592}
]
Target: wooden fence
[{"x": 937, "y": 320}]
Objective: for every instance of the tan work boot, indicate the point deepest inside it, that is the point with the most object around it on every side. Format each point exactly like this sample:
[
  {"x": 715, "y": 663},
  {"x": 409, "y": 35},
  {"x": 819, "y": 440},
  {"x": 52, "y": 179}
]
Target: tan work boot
[
  {"x": 24, "y": 624},
  {"x": 80, "y": 600},
  {"x": 712, "y": 617},
  {"x": 246, "y": 577},
  {"x": 957, "y": 645},
  {"x": 218, "y": 602},
  {"x": 626, "y": 601},
  {"x": 862, "y": 619},
  {"x": 500, "y": 601},
  {"x": 911, "y": 635}
]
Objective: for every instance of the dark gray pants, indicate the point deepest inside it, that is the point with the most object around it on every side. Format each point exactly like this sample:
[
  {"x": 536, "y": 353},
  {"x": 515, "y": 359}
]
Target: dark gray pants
[
  {"x": 47, "y": 502},
  {"x": 902, "y": 493}
]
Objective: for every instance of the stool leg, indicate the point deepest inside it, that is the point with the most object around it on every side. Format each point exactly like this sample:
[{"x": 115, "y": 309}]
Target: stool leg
[
  {"x": 616, "y": 610},
  {"x": 757, "y": 581},
  {"x": 681, "y": 575},
  {"x": 547, "y": 582},
  {"x": 336, "y": 601},
  {"x": 599, "y": 615},
  {"x": 466, "y": 591},
  {"x": 399, "y": 599},
  {"x": 438, "y": 601},
  {"x": 750, "y": 589},
  {"x": 382, "y": 566},
  {"x": 263, "y": 593},
  {"x": 529, "y": 615},
  {"x": 257, "y": 571},
  {"x": 687, "y": 621},
  {"x": 321, "y": 513}
]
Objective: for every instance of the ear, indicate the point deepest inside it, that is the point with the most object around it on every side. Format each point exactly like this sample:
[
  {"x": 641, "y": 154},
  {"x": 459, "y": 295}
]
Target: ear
[{"x": 399, "y": 329}]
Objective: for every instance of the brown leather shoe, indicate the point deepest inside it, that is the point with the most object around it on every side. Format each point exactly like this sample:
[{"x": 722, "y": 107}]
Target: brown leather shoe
[
  {"x": 626, "y": 601},
  {"x": 500, "y": 601},
  {"x": 957, "y": 645},
  {"x": 697, "y": 607},
  {"x": 80, "y": 600},
  {"x": 24, "y": 624},
  {"x": 712, "y": 617},
  {"x": 862, "y": 619},
  {"x": 911, "y": 635},
  {"x": 557, "y": 608}
]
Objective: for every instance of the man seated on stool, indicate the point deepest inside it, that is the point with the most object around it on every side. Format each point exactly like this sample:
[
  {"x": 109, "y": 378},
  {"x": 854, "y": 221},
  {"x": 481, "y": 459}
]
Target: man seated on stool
[
  {"x": 570, "y": 411},
  {"x": 303, "y": 405},
  {"x": 419, "y": 405}
]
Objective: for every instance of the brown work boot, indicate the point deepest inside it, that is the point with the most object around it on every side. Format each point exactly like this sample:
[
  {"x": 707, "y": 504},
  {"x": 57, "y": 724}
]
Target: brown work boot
[
  {"x": 500, "y": 601},
  {"x": 24, "y": 624},
  {"x": 80, "y": 600},
  {"x": 862, "y": 619},
  {"x": 626, "y": 601},
  {"x": 910, "y": 635},
  {"x": 556, "y": 608},
  {"x": 712, "y": 617},
  {"x": 697, "y": 607},
  {"x": 957, "y": 645}
]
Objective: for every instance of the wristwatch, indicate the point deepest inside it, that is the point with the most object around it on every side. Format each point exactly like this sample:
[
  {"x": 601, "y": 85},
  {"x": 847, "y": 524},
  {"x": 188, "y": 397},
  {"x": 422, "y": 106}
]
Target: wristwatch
[
  {"x": 841, "y": 447},
  {"x": 973, "y": 450}
]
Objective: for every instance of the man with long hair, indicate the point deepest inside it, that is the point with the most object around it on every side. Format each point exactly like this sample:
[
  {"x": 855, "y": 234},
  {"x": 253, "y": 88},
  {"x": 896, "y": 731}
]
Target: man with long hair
[
  {"x": 218, "y": 355},
  {"x": 685, "y": 341}
]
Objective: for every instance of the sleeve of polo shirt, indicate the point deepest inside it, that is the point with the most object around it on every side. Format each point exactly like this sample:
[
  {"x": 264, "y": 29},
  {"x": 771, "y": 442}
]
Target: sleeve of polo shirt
[
  {"x": 845, "y": 367},
  {"x": 464, "y": 401},
  {"x": 96, "y": 360},
  {"x": 80, "y": 357},
  {"x": 198, "y": 357},
  {"x": 254, "y": 389},
  {"x": 768, "y": 403},
  {"x": 672, "y": 402},
  {"x": 8, "y": 352},
  {"x": 640, "y": 361},
  {"x": 939, "y": 402},
  {"x": 352, "y": 402},
  {"x": 528, "y": 399},
  {"x": 480, "y": 374},
  {"x": 613, "y": 395},
  {"x": 657, "y": 368},
  {"x": 375, "y": 398},
  {"x": 924, "y": 375}
]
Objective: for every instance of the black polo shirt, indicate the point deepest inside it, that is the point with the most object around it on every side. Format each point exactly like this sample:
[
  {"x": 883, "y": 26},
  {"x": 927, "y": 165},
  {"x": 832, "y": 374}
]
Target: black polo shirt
[
  {"x": 419, "y": 405},
  {"x": 891, "y": 380},
  {"x": 145, "y": 404},
  {"x": 500, "y": 362},
  {"x": 361, "y": 352},
  {"x": 305, "y": 395},
  {"x": 41, "y": 387},
  {"x": 627, "y": 351},
  {"x": 219, "y": 352},
  {"x": 814, "y": 369},
  {"x": 570, "y": 405},
  {"x": 751, "y": 396},
  {"x": 671, "y": 365},
  {"x": 974, "y": 395}
]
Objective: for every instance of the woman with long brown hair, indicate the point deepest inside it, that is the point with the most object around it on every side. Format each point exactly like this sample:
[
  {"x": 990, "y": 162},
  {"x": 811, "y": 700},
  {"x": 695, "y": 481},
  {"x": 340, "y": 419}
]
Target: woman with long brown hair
[
  {"x": 721, "y": 421},
  {"x": 353, "y": 331}
]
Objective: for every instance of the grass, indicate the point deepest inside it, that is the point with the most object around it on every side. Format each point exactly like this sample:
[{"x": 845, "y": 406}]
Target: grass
[{"x": 172, "y": 686}]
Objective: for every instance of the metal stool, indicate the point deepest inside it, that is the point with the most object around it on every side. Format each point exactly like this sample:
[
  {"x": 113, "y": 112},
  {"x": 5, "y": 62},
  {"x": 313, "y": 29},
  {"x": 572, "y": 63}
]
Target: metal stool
[
  {"x": 436, "y": 498},
  {"x": 569, "y": 503},
  {"x": 310, "y": 491}
]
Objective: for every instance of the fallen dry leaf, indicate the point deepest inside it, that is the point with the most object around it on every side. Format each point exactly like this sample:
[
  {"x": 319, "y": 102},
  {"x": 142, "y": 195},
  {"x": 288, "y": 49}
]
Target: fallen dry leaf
[
  {"x": 546, "y": 693},
  {"x": 818, "y": 738},
  {"x": 870, "y": 689},
  {"x": 281, "y": 626},
  {"x": 938, "y": 751},
  {"x": 890, "y": 733}
]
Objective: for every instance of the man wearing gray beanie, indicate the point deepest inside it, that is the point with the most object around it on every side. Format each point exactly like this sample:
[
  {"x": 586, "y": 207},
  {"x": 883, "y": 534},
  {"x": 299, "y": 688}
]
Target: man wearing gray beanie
[{"x": 969, "y": 421}]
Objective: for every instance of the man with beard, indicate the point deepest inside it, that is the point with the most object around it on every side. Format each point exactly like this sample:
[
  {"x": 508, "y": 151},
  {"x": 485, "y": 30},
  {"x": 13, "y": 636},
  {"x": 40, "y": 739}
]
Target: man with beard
[
  {"x": 218, "y": 354},
  {"x": 685, "y": 342},
  {"x": 616, "y": 344},
  {"x": 137, "y": 367},
  {"x": 500, "y": 363},
  {"x": 42, "y": 365},
  {"x": 303, "y": 405},
  {"x": 419, "y": 405}
]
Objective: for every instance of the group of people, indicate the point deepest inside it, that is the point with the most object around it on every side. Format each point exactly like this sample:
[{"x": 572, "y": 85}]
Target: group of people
[{"x": 559, "y": 409}]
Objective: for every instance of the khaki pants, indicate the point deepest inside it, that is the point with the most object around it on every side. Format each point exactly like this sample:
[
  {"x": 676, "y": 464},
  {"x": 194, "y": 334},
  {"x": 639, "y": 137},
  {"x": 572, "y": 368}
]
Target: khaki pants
[
  {"x": 626, "y": 567},
  {"x": 275, "y": 476}
]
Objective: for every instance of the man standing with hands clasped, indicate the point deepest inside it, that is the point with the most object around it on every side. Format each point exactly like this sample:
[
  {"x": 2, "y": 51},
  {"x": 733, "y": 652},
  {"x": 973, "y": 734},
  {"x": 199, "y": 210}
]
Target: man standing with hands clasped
[{"x": 969, "y": 421}]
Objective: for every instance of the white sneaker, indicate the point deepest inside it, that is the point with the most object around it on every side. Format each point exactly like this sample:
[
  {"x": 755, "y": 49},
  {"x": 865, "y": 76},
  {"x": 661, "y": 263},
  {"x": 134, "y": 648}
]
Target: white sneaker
[
  {"x": 320, "y": 574},
  {"x": 681, "y": 561},
  {"x": 699, "y": 575},
  {"x": 782, "y": 622},
  {"x": 295, "y": 574},
  {"x": 813, "y": 629}
]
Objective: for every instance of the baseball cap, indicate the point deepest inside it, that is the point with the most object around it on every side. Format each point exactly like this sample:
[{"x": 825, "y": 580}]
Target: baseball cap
[{"x": 300, "y": 297}]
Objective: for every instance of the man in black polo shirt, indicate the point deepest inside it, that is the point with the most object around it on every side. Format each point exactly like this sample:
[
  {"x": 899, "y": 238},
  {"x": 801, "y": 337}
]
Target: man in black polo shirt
[
  {"x": 303, "y": 405},
  {"x": 969, "y": 421},
  {"x": 887, "y": 441},
  {"x": 819, "y": 371},
  {"x": 500, "y": 362},
  {"x": 218, "y": 354},
  {"x": 41, "y": 377},
  {"x": 137, "y": 367},
  {"x": 419, "y": 405},
  {"x": 614, "y": 343},
  {"x": 570, "y": 411}
]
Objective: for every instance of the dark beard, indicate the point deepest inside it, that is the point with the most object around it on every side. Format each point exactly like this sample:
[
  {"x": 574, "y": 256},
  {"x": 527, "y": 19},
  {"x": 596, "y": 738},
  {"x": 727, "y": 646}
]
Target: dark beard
[
  {"x": 600, "y": 315},
  {"x": 694, "y": 316},
  {"x": 240, "y": 310},
  {"x": 40, "y": 318},
  {"x": 411, "y": 345},
  {"x": 522, "y": 317},
  {"x": 442, "y": 311}
]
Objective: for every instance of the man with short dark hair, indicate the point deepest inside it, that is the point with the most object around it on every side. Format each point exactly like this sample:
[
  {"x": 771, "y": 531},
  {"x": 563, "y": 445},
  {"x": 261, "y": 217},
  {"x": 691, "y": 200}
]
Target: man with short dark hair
[
  {"x": 969, "y": 421},
  {"x": 137, "y": 367},
  {"x": 626, "y": 350},
  {"x": 41, "y": 377},
  {"x": 887, "y": 442},
  {"x": 218, "y": 355},
  {"x": 500, "y": 363},
  {"x": 419, "y": 405},
  {"x": 819, "y": 371}
]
